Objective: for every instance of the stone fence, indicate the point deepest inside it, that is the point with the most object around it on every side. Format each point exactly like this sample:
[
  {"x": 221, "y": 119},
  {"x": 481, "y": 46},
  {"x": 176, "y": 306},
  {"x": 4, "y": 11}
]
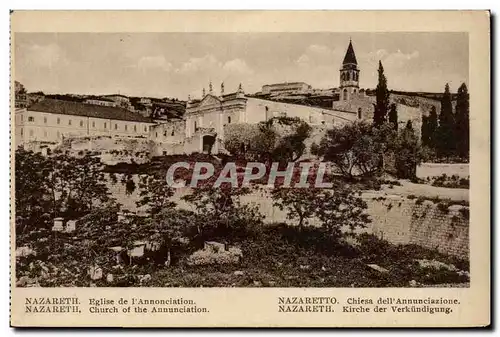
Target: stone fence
[
  {"x": 395, "y": 218},
  {"x": 425, "y": 170}
]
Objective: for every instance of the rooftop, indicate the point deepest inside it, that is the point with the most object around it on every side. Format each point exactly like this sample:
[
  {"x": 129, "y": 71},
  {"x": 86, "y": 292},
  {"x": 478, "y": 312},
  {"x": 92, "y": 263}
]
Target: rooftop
[
  {"x": 284, "y": 83},
  {"x": 86, "y": 110},
  {"x": 350, "y": 56},
  {"x": 100, "y": 99}
]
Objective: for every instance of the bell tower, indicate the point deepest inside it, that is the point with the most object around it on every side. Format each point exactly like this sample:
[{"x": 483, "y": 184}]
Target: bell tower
[{"x": 349, "y": 75}]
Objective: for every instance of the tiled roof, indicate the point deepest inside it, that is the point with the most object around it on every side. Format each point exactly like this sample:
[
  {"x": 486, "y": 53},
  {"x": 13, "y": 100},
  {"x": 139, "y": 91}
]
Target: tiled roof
[{"x": 87, "y": 110}]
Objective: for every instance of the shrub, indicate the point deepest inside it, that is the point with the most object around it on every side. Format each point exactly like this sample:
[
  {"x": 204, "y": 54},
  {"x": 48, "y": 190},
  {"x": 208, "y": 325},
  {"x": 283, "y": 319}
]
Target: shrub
[
  {"x": 464, "y": 212},
  {"x": 207, "y": 257},
  {"x": 443, "y": 207}
]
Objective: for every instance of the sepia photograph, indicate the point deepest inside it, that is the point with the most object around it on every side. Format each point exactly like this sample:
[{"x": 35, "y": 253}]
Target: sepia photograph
[
  {"x": 101, "y": 118},
  {"x": 245, "y": 160}
]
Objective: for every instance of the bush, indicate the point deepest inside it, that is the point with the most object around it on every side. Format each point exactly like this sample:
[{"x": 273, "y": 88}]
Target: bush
[
  {"x": 450, "y": 182},
  {"x": 208, "y": 257}
]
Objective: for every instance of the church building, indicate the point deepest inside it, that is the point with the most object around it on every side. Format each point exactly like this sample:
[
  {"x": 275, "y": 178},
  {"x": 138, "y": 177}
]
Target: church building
[
  {"x": 353, "y": 99},
  {"x": 206, "y": 118},
  {"x": 201, "y": 129}
]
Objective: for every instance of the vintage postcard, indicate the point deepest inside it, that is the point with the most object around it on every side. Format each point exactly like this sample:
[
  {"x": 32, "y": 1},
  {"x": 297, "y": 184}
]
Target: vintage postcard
[{"x": 250, "y": 169}]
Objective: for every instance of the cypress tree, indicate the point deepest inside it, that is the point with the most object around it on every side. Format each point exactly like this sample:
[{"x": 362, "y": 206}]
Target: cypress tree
[
  {"x": 424, "y": 131},
  {"x": 462, "y": 122},
  {"x": 446, "y": 143},
  {"x": 382, "y": 94},
  {"x": 393, "y": 116},
  {"x": 432, "y": 123},
  {"x": 408, "y": 153}
]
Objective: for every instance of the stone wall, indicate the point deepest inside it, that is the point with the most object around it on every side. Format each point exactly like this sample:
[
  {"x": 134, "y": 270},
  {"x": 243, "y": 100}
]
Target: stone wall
[
  {"x": 425, "y": 170},
  {"x": 111, "y": 150},
  {"x": 398, "y": 220},
  {"x": 401, "y": 220},
  {"x": 395, "y": 218}
]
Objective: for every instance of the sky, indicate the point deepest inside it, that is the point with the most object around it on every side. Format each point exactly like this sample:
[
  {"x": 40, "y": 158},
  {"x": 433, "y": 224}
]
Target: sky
[{"x": 182, "y": 64}]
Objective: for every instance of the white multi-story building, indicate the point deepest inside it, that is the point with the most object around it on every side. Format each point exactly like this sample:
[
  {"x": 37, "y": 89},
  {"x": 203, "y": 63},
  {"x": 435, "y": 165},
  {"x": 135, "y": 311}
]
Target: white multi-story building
[
  {"x": 101, "y": 101},
  {"x": 51, "y": 120},
  {"x": 291, "y": 88}
]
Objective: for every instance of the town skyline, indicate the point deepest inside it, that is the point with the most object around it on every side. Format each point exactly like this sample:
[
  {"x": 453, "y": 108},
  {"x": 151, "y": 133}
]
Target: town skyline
[{"x": 139, "y": 64}]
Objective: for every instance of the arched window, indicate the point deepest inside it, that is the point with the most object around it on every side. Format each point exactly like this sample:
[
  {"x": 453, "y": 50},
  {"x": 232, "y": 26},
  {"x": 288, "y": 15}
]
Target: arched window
[
  {"x": 228, "y": 119},
  {"x": 345, "y": 95},
  {"x": 195, "y": 126},
  {"x": 359, "y": 113}
]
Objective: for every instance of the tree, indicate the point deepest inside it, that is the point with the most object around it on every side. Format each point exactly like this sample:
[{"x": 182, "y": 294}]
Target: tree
[
  {"x": 430, "y": 128},
  {"x": 341, "y": 209},
  {"x": 291, "y": 146},
  {"x": 155, "y": 193},
  {"x": 76, "y": 184},
  {"x": 424, "y": 131},
  {"x": 355, "y": 148},
  {"x": 299, "y": 203},
  {"x": 100, "y": 220},
  {"x": 382, "y": 95},
  {"x": 19, "y": 88},
  {"x": 408, "y": 153},
  {"x": 336, "y": 210},
  {"x": 32, "y": 195},
  {"x": 462, "y": 122},
  {"x": 277, "y": 139},
  {"x": 393, "y": 116},
  {"x": 446, "y": 130},
  {"x": 239, "y": 139},
  {"x": 220, "y": 213},
  {"x": 166, "y": 229}
]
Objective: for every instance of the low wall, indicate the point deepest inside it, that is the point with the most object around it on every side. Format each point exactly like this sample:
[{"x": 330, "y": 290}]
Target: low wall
[
  {"x": 111, "y": 150},
  {"x": 394, "y": 218},
  {"x": 425, "y": 170},
  {"x": 401, "y": 220}
]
